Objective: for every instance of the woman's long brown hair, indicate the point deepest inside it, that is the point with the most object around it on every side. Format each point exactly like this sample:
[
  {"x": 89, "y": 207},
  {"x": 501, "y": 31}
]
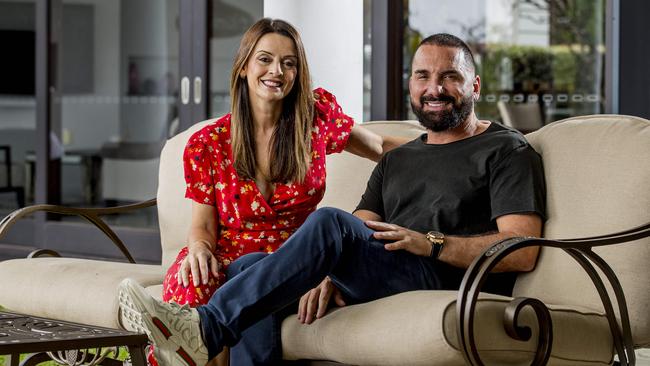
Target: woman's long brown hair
[{"x": 291, "y": 141}]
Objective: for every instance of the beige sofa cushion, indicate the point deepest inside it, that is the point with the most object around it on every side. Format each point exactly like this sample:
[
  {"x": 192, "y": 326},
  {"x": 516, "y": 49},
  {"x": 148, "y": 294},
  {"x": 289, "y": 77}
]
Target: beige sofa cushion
[
  {"x": 347, "y": 174},
  {"x": 598, "y": 177},
  {"x": 174, "y": 210},
  {"x": 155, "y": 291},
  {"x": 415, "y": 328},
  {"x": 71, "y": 289}
]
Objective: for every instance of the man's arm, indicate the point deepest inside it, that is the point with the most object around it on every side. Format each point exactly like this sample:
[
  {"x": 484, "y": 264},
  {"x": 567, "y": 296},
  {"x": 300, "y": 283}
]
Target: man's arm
[
  {"x": 460, "y": 251},
  {"x": 367, "y": 215}
]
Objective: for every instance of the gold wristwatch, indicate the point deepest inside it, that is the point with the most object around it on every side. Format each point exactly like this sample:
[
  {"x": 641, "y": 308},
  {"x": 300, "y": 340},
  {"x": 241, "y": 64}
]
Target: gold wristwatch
[{"x": 437, "y": 240}]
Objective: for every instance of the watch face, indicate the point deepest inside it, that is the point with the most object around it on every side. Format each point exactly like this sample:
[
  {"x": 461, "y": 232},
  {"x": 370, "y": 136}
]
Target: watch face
[{"x": 435, "y": 237}]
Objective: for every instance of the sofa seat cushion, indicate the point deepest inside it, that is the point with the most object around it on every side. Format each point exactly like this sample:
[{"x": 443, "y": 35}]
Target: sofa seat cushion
[
  {"x": 155, "y": 291},
  {"x": 77, "y": 290},
  {"x": 386, "y": 332}
]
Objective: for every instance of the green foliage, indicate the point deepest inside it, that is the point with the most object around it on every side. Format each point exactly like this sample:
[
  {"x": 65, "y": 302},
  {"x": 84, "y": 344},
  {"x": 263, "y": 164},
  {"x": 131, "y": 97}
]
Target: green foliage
[
  {"x": 533, "y": 68},
  {"x": 4, "y": 359},
  {"x": 565, "y": 70},
  {"x": 527, "y": 63}
]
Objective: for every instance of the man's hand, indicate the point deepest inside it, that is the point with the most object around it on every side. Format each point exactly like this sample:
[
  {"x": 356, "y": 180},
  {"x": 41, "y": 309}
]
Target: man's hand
[
  {"x": 402, "y": 238},
  {"x": 316, "y": 301},
  {"x": 200, "y": 262}
]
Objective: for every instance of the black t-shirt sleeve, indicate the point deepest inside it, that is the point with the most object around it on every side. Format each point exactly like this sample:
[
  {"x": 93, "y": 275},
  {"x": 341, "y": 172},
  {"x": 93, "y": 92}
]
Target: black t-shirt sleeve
[
  {"x": 372, "y": 199},
  {"x": 517, "y": 184}
]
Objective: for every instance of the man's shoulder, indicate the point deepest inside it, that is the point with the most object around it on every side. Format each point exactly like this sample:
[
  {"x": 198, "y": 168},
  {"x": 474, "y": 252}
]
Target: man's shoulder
[
  {"x": 406, "y": 149},
  {"x": 504, "y": 136}
]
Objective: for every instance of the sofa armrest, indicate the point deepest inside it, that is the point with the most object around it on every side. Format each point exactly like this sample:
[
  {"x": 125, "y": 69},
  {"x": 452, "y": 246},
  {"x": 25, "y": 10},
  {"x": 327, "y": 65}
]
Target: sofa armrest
[
  {"x": 90, "y": 214},
  {"x": 580, "y": 250}
]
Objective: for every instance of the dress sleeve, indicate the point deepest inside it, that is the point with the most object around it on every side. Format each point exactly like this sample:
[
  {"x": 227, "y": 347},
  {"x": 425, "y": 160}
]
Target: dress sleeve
[
  {"x": 199, "y": 173},
  {"x": 333, "y": 125}
]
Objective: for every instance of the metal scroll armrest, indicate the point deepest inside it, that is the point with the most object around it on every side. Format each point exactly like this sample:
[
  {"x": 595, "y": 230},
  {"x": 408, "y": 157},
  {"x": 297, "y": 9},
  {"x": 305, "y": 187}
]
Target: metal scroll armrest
[
  {"x": 90, "y": 214},
  {"x": 578, "y": 249}
]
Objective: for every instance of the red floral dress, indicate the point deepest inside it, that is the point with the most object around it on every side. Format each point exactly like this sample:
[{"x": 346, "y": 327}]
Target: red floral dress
[{"x": 247, "y": 222}]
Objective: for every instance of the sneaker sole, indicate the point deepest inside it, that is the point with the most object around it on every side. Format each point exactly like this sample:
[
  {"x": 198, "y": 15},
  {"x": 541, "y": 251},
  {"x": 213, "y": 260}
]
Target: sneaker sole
[
  {"x": 131, "y": 317},
  {"x": 143, "y": 322}
]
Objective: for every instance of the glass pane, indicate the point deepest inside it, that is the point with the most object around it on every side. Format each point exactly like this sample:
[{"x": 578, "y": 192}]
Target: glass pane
[
  {"x": 367, "y": 58},
  {"x": 118, "y": 72},
  {"x": 17, "y": 103},
  {"x": 539, "y": 60},
  {"x": 228, "y": 21}
]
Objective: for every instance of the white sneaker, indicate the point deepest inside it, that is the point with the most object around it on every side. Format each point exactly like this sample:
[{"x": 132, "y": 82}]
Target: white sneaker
[{"x": 174, "y": 330}]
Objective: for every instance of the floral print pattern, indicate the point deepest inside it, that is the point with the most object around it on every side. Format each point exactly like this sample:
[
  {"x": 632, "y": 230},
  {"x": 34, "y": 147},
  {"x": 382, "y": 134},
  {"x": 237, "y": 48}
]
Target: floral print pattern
[{"x": 247, "y": 222}]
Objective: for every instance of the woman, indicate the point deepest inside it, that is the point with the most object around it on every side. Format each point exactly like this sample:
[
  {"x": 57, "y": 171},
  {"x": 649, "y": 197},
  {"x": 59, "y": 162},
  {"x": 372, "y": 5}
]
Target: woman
[{"x": 256, "y": 173}]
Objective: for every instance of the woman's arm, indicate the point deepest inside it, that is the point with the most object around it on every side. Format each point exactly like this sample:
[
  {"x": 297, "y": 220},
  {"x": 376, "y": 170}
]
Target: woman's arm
[
  {"x": 370, "y": 145},
  {"x": 202, "y": 241}
]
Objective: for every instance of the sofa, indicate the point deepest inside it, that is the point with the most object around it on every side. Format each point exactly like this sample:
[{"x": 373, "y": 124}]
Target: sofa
[{"x": 564, "y": 312}]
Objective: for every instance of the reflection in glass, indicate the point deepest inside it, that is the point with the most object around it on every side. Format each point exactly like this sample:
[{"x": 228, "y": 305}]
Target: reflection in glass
[
  {"x": 230, "y": 19},
  {"x": 539, "y": 60},
  {"x": 118, "y": 68},
  {"x": 17, "y": 103},
  {"x": 367, "y": 58}
]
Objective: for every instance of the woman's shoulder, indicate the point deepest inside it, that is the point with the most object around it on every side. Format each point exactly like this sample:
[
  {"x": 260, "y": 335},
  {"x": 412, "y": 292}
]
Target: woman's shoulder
[
  {"x": 325, "y": 104},
  {"x": 323, "y": 97},
  {"x": 213, "y": 131}
]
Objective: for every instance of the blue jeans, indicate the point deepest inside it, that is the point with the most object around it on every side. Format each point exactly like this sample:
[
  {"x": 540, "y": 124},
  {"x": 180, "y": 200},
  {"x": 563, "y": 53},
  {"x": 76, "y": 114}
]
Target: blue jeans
[
  {"x": 260, "y": 344},
  {"x": 330, "y": 242}
]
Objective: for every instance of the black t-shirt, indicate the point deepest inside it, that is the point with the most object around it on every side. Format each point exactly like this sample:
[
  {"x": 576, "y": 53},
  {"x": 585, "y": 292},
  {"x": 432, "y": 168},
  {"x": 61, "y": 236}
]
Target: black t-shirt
[{"x": 459, "y": 188}]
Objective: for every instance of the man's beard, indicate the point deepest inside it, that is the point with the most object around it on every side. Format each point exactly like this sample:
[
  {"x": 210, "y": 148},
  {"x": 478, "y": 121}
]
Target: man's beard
[{"x": 443, "y": 120}]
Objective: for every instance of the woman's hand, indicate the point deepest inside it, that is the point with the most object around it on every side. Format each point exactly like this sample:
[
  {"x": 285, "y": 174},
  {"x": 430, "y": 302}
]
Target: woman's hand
[
  {"x": 402, "y": 238},
  {"x": 203, "y": 234},
  {"x": 316, "y": 301},
  {"x": 200, "y": 262}
]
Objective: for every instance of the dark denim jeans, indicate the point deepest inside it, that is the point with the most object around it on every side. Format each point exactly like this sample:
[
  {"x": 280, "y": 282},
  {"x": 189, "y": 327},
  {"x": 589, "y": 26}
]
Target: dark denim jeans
[
  {"x": 260, "y": 344},
  {"x": 330, "y": 242}
]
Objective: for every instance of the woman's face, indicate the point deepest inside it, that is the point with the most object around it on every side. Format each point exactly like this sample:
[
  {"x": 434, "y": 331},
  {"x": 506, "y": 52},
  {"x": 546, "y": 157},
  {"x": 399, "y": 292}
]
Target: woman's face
[{"x": 271, "y": 69}]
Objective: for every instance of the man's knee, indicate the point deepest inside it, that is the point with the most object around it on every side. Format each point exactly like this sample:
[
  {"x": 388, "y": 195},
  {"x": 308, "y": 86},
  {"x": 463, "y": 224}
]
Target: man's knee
[{"x": 243, "y": 262}]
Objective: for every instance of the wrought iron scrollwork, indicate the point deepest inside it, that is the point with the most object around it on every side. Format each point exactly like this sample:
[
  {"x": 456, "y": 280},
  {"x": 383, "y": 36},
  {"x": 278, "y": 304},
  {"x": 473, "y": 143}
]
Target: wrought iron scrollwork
[
  {"x": 82, "y": 357},
  {"x": 90, "y": 214},
  {"x": 20, "y": 330},
  {"x": 581, "y": 251}
]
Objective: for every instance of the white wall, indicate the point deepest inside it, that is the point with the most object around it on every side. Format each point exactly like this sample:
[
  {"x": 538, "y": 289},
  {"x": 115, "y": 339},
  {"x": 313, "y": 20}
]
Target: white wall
[{"x": 332, "y": 32}]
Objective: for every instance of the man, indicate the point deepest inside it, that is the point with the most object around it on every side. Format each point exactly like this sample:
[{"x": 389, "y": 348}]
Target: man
[{"x": 475, "y": 181}]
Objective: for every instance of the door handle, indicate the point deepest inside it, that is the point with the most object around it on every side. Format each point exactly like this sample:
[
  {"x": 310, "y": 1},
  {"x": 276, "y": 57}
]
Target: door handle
[
  {"x": 185, "y": 90},
  {"x": 197, "y": 90}
]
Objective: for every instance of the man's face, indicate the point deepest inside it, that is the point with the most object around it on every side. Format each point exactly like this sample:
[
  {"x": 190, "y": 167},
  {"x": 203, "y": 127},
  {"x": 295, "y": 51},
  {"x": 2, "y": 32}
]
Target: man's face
[{"x": 443, "y": 87}]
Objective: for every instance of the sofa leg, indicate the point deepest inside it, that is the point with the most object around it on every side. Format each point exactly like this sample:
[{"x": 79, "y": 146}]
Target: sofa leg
[{"x": 136, "y": 355}]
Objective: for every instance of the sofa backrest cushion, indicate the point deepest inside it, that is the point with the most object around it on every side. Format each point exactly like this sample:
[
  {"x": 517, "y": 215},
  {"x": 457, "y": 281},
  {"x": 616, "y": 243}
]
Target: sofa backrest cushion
[
  {"x": 598, "y": 177},
  {"x": 347, "y": 175},
  {"x": 174, "y": 210}
]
